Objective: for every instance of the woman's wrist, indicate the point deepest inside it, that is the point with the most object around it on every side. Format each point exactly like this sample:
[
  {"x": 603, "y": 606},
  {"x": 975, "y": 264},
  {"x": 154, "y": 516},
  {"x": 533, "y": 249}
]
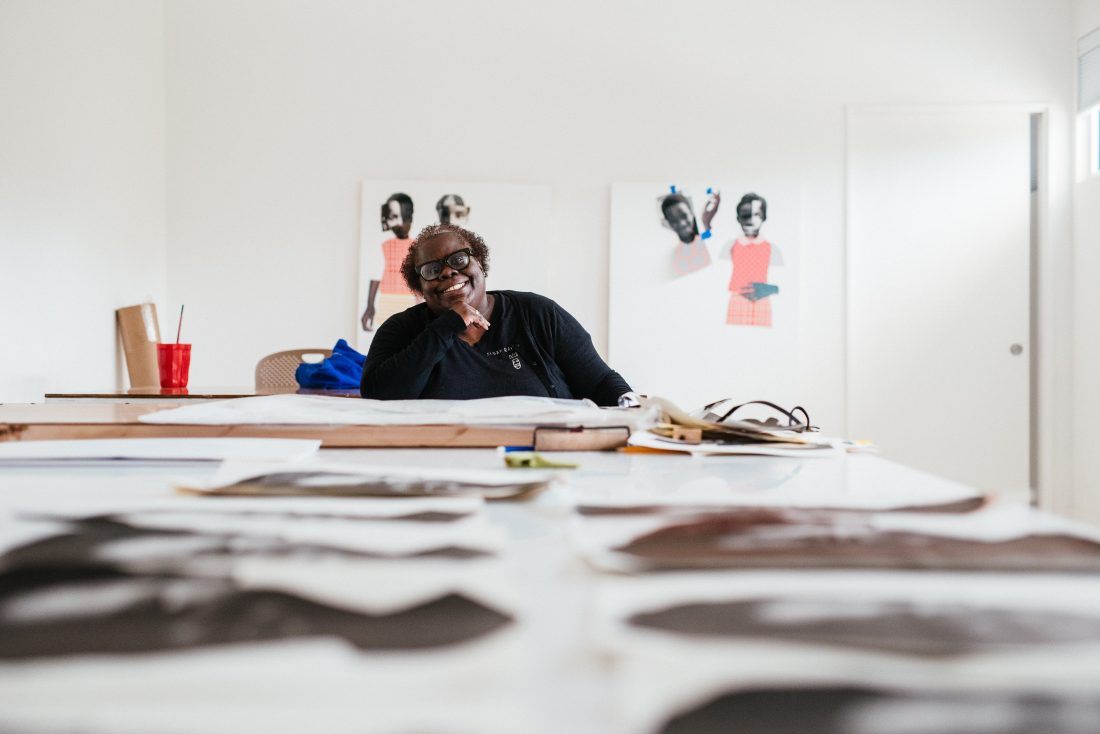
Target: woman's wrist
[{"x": 630, "y": 400}]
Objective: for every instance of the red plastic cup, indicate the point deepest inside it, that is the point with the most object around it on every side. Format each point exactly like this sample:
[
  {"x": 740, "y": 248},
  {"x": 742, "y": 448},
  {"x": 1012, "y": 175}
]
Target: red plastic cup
[{"x": 174, "y": 361}]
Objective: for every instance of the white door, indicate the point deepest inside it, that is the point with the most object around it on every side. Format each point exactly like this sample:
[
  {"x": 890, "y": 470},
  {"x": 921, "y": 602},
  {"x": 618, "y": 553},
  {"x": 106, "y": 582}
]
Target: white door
[{"x": 938, "y": 302}]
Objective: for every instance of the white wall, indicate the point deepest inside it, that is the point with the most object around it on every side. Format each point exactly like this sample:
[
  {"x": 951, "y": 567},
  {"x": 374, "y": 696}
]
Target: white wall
[
  {"x": 255, "y": 120},
  {"x": 1086, "y": 17},
  {"x": 82, "y": 180},
  {"x": 1086, "y": 324},
  {"x": 276, "y": 110}
]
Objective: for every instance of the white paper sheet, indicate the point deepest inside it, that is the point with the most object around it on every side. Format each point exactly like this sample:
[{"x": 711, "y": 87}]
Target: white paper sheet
[
  {"x": 840, "y": 482},
  {"x": 278, "y": 687},
  {"x": 154, "y": 450},
  {"x": 488, "y": 482},
  {"x": 659, "y": 676},
  {"x": 598, "y": 537},
  {"x": 822, "y": 447},
  {"x": 660, "y": 673},
  {"x": 325, "y": 410},
  {"x": 381, "y": 586},
  {"x": 363, "y": 508},
  {"x": 617, "y": 598},
  {"x": 382, "y": 537},
  {"x": 716, "y": 662}
]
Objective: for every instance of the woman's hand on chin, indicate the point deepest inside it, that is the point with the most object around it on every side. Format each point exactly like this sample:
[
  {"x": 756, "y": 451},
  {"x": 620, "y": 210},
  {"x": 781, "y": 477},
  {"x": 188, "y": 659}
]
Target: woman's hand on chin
[{"x": 476, "y": 323}]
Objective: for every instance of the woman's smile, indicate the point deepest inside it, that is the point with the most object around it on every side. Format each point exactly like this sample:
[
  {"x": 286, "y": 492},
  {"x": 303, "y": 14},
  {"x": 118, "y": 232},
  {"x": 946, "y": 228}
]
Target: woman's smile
[{"x": 458, "y": 285}]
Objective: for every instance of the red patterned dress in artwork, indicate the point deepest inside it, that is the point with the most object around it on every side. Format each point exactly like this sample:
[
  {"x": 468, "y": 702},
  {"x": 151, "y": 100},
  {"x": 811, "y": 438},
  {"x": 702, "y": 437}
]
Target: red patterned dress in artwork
[{"x": 750, "y": 265}]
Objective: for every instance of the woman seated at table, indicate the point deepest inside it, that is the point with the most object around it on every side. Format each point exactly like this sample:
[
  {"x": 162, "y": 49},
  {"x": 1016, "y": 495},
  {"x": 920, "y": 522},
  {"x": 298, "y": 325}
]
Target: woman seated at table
[{"x": 465, "y": 342}]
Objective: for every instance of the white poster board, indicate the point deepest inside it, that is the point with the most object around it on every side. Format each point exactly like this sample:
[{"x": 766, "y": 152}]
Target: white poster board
[
  {"x": 685, "y": 320},
  {"x": 513, "y": 219}
]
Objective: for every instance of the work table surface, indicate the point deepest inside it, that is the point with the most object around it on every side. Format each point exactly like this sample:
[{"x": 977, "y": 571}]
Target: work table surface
[{"x": 554, "y": 675}]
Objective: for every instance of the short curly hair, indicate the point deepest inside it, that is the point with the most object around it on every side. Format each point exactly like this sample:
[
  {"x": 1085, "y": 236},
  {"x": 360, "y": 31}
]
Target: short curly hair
[{"x": 477, "y": 247}]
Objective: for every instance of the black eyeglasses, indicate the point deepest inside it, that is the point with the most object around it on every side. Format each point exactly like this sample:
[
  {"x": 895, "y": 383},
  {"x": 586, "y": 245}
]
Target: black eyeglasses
[{"x": 457, "y": 260}]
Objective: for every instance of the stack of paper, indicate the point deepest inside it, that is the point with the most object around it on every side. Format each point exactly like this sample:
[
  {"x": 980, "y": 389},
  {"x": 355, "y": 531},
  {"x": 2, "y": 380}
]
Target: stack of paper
[
  {"x": 278, "y": 613},
  {"x": 333, "y": 411}
]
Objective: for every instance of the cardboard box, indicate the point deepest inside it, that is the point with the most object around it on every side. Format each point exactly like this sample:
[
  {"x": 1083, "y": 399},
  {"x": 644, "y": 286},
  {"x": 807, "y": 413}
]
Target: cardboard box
[{"x": 140, "y": 331}]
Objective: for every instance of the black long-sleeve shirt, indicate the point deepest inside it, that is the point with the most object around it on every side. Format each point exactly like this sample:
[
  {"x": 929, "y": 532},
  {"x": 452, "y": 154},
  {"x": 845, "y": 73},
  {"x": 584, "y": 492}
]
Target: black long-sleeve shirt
[{"x": 534, "y": 347}]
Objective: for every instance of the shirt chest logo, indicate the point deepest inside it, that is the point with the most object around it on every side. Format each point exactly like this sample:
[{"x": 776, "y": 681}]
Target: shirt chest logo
[{"x": 509, "y": 352}]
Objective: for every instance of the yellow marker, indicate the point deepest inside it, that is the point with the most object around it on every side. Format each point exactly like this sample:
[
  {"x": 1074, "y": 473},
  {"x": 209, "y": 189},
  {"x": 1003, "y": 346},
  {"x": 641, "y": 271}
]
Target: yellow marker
[{"x": 532, "y": 460}]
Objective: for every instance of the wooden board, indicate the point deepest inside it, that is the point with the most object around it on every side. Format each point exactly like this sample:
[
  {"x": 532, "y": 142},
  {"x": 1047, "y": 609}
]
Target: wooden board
[
  {"x": 179, "y": 395},
  {"x": 64, "y": 421}
]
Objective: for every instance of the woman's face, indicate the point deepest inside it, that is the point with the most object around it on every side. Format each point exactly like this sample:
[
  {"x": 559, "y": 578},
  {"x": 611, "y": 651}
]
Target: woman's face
[
  {"x": 452, "y": 285},
  {"x": 682, "y": 221}
]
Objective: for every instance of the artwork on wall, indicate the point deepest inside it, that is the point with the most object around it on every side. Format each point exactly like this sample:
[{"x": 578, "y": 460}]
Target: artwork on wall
[
  {"x": 392, "y": 212},
  {"x": 678, "y": 214},
  {"x": 704, "y": 289},
  {"x": 750, "y": 292},
  {"x": 387, "y": 292}
]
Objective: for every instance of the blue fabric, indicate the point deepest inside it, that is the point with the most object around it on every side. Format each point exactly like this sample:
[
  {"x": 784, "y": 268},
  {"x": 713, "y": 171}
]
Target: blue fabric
[{"x": 344, "y": 369}]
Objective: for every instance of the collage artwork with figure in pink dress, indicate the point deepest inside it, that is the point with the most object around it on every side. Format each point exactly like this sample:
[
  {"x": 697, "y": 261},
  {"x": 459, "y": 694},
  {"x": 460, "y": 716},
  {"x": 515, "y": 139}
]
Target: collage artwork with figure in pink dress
[
  {"x": 394, "y": 211},
  {"x": 722, "y": 255}
]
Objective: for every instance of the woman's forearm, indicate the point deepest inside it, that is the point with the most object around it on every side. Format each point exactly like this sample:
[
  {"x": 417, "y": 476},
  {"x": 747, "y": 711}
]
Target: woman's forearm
[{"x": 398, "y": 369}]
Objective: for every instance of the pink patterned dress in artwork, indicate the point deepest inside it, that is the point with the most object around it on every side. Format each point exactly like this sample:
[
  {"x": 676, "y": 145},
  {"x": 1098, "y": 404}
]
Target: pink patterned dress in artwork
[
  {"x": 394, "y": 251},
  {"x": 750, "y": 265},
  {"x": 690, "y": 257},
  {"x": 394, "y": 295}
]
